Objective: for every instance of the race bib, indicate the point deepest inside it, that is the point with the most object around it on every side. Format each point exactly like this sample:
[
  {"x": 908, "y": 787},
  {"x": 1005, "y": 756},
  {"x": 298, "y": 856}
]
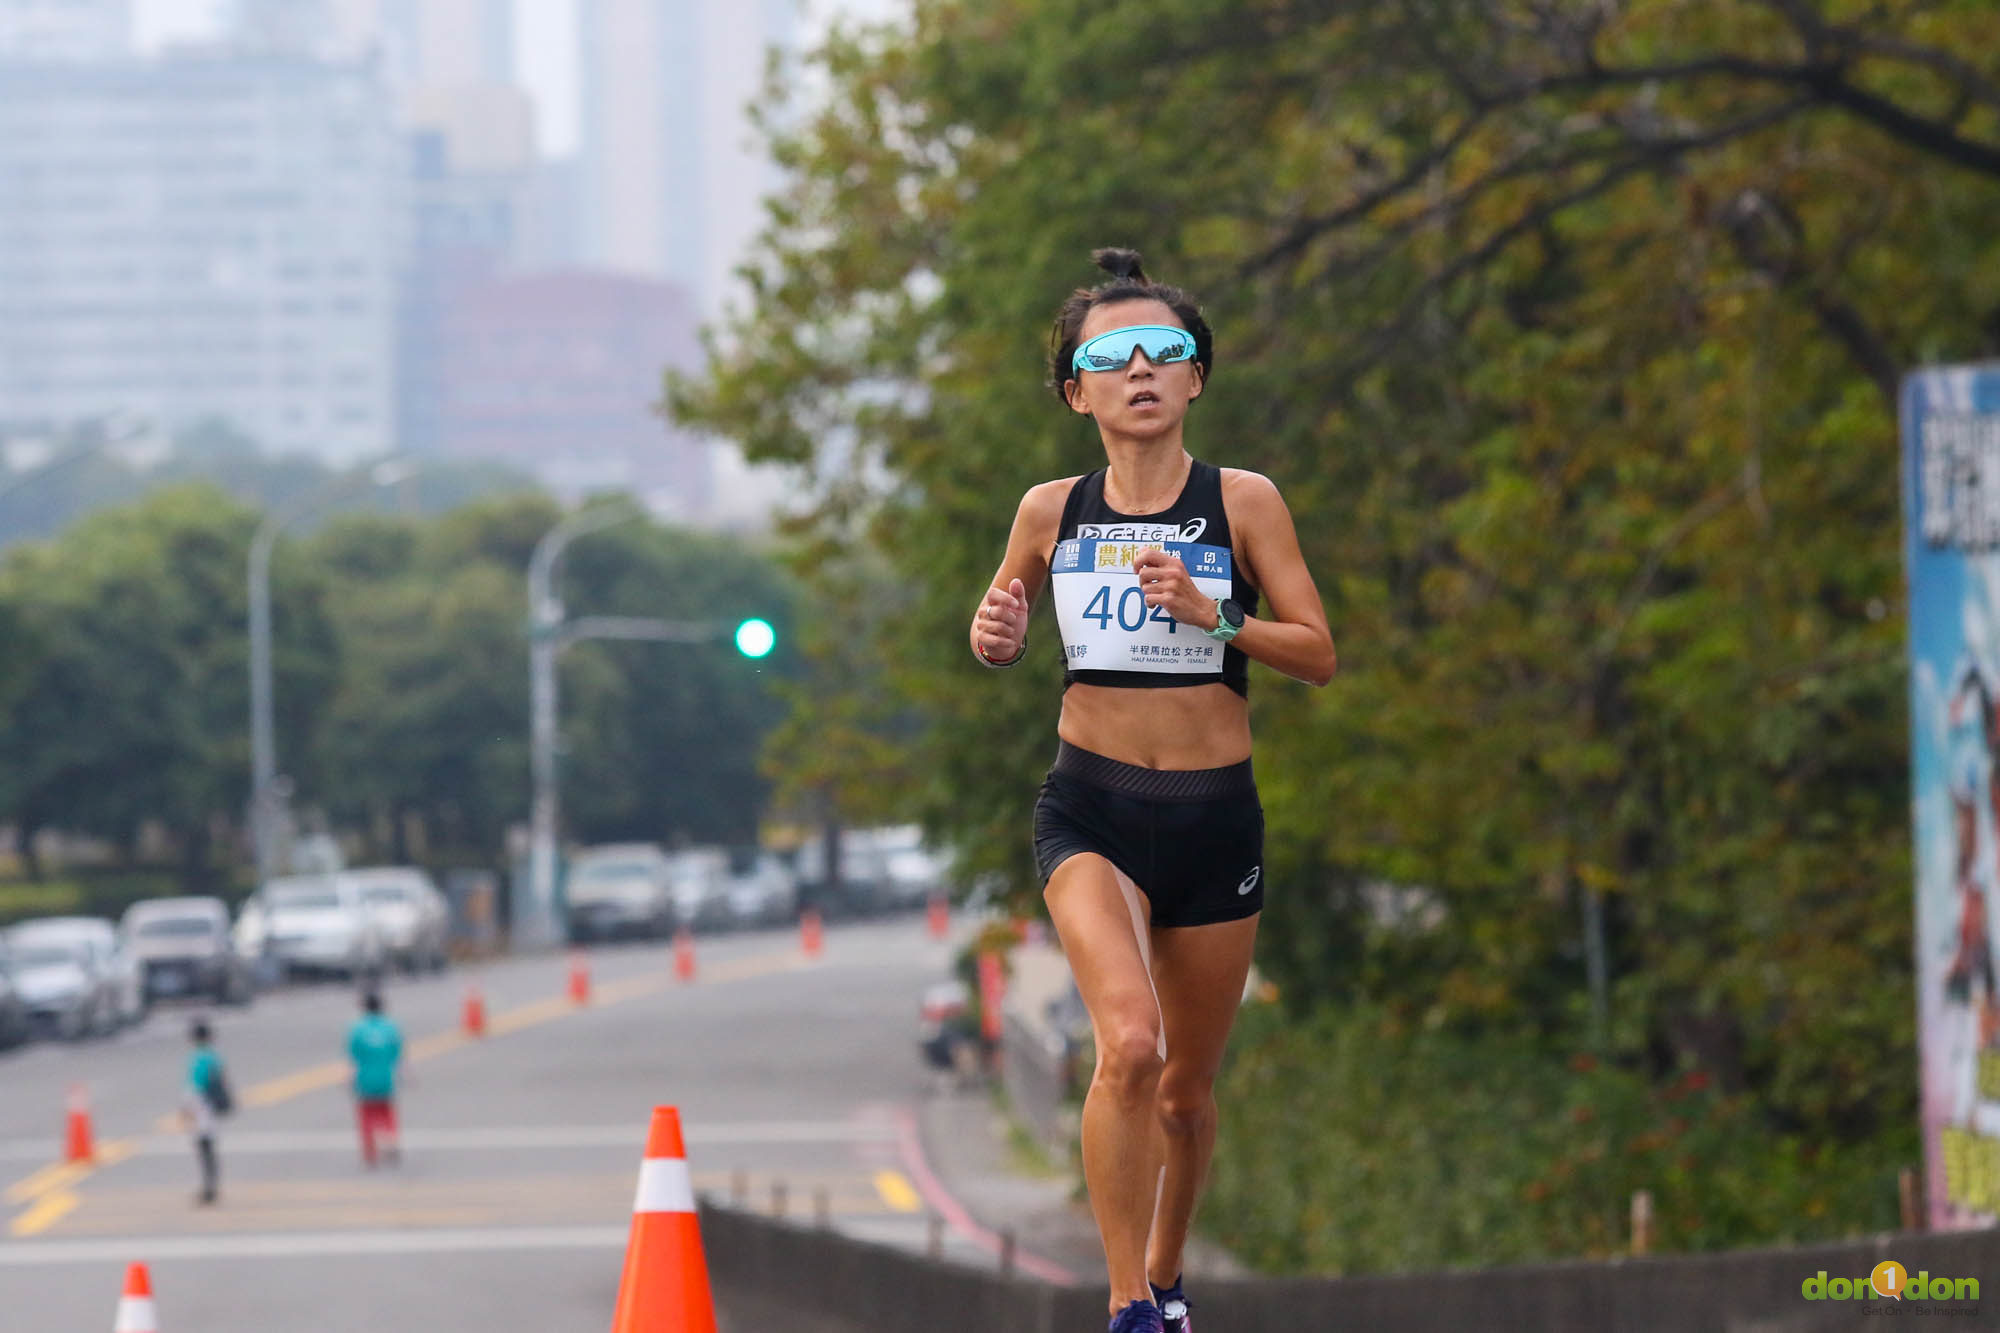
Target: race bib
[{"x": 1106, "y": 624}]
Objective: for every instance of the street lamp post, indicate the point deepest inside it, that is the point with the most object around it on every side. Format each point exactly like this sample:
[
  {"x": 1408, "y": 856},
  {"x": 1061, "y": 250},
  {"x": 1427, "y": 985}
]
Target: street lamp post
[
  {"x": 548, "y": 636},
  {"x": 545, "y": 613},
  {"x": 263, "y": 727}
]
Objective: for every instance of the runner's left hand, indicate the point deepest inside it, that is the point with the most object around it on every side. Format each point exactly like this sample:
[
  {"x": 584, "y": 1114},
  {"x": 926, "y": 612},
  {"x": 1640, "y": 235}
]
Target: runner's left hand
[{"x": 1167, "y": 583}]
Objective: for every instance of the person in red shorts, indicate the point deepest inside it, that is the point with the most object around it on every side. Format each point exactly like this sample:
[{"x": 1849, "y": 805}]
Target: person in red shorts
[{"x": 376, "y": 1047}]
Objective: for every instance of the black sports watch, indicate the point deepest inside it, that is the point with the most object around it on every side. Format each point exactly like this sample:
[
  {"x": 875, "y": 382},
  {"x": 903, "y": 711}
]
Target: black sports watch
[{"x": 1228, "y": 619}]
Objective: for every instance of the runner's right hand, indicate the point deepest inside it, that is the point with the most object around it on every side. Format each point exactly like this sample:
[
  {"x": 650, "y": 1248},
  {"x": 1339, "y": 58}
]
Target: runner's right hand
[{"x": 1001, "y": 627}]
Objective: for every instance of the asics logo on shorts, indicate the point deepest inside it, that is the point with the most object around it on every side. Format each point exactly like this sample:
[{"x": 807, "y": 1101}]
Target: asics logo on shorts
[{"x": 1250, "y": 881}]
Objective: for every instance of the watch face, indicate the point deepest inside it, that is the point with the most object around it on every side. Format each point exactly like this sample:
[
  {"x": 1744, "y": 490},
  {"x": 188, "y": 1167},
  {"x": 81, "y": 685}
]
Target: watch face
[{"x": 1232, "y": 612}]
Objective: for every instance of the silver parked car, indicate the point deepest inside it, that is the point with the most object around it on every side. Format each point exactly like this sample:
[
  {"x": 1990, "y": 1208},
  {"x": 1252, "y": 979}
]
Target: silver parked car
[
  {"x": 623, "y": 888},
  {"x": 183, "y": 948},
  {"x": 14, "y": 1026},
  {"x": 762, "y": 889},
  {"x": 699, "y": 882},
  {"x": 410, "y": 913},
  {"x": 319, "y": 924},
  {"x": 64, "y": 977}
]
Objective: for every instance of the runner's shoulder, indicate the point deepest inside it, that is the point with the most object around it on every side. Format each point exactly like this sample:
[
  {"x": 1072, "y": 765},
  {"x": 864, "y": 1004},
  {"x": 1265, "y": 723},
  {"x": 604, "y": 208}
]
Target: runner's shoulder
[
  {"x": 1042, "y": 505},
  {"x": 1240, "y": 482}
]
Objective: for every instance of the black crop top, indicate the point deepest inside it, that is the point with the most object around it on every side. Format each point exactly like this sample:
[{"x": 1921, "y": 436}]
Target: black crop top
[{"x": 1110, "y": 636}]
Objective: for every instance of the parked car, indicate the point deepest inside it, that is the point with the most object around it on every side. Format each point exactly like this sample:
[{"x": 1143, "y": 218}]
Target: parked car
[
  {"x": 619, "y": 889},
  {"x": 698, "y": 880},
  {"x": 862, "y": 876},
  {"x": 65, "y": 977},
  {"x": 14, "y": 1024},
  {"x": 761, "y": 890},
  {"x": 127, "y": 984},
  {"x": 182, "y": 947},
  {"x": 911, "y": 872},
  {"x": 409, "y": 912},
  {"x": 318, "y": 924}
]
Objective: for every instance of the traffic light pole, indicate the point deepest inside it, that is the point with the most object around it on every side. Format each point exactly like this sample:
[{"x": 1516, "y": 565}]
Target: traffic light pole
[{"x": 548, "y": 636}]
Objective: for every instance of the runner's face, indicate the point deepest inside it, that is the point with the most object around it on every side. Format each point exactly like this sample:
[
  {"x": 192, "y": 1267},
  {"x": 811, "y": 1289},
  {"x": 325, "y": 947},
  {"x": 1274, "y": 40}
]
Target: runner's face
[{"x": 1141, "y": 399}]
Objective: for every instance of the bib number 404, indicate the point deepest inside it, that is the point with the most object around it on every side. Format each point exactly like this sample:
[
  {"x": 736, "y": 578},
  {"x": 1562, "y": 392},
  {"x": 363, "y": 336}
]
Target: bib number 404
[{"x": 1131, "y": 610}]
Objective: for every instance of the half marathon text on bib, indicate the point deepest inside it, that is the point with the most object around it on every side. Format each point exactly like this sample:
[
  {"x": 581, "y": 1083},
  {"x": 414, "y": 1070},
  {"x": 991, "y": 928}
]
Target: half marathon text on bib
[{"x": 1106, "y": 624}]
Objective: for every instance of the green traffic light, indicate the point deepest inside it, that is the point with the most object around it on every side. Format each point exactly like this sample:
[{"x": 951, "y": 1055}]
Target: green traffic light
[{"x": 756, "y": 638}]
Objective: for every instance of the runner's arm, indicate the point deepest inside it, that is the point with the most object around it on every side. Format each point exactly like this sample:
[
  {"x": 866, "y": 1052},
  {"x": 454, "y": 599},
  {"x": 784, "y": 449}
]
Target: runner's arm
[
  {"x": 1000, "y": 626},
  {"x": 1292, "y": 635}
]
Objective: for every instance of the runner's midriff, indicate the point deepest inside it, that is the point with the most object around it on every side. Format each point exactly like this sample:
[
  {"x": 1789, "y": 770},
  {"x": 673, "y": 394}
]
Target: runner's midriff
[{"x": 1199, "y": 726}]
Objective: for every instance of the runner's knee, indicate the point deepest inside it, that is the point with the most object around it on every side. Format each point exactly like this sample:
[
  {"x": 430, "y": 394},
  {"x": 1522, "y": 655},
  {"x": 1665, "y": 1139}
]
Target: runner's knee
[
  {"x": 1185, "y": 1109},
  {"x": 1128, "y": 1053}
]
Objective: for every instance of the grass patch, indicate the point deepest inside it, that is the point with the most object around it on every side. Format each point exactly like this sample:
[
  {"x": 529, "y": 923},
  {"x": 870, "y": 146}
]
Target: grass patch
[{"x": 55, "y": 897}]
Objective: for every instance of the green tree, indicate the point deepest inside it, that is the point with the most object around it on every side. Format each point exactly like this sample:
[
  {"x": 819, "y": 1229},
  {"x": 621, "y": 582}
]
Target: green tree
[
  {"x": 1570, "y": 335},
  {"x": 136, "y": 697}
]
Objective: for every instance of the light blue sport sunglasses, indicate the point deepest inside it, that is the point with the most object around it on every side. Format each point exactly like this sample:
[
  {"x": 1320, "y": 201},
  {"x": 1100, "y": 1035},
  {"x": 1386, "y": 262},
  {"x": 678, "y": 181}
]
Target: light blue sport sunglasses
[{"x": 1161, "y": 343}]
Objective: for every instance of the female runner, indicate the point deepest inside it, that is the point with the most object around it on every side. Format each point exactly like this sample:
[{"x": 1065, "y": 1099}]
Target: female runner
[{"x": 1148, "y": 832}]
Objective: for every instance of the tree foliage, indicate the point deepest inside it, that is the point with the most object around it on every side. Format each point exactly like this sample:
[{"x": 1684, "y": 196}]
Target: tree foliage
[{"x": 1570, "y": 333}]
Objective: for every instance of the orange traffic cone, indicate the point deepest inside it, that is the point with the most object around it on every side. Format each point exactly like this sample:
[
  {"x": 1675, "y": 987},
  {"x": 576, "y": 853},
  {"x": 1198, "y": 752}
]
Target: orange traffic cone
[
  {"x": 940, "y": 916},
  {"x": 665, "y": 1286},
  {"x": 475, "y": 1012},
  {"x": 684, "y": 954},
  {"x": 809, "y": 932},
  {"x": 77, "y": 1142},
  {"x": 579, "y": 978},
  {"x": 135, "y": 1307}
]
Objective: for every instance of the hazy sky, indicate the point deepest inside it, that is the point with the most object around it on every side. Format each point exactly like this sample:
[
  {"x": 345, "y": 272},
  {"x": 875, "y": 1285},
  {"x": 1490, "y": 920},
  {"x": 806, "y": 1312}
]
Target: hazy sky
[{"x": 545, "y": 35}]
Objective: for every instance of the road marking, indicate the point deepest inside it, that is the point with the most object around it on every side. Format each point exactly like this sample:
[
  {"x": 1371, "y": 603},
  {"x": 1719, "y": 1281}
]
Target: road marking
[
  {"x": 48, "y": 1210},
  {"x": 283, "y": 1089},
  {"x": 399, "y": 1241},
  {"x": 61, "y": 1175},
  {"x": 898, "y": 1192},
  {"x": 333, "y": 1072}
]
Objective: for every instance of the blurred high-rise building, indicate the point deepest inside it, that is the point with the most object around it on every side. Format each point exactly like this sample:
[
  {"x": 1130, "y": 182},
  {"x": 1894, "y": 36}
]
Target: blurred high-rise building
[
  {"x": 218, "y": 234},
  {"x": 41, "y": 30},
  {"x": 671, "y": 178}
]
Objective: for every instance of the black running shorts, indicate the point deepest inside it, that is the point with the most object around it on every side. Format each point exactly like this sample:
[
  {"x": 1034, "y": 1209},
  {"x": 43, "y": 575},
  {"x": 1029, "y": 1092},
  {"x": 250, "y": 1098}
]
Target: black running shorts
[{"x": 1191, "y": 839}]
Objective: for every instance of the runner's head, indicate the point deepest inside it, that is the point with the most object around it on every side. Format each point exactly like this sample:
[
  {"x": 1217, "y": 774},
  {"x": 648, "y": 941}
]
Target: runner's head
[
  {"x": 1142, "y": 375},
  {"x": 372, "y": 1002},
  {"x": 198, "y": 1032}
]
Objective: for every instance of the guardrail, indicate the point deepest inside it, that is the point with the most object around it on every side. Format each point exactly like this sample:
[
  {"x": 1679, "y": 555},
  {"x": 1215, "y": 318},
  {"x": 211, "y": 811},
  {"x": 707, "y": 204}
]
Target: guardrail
[{"x": 772, "y": 1273}]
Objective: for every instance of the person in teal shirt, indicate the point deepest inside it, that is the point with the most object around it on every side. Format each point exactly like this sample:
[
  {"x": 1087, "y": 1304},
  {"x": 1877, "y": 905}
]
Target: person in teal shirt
[
  {"x": 376, "y": 1046},
  {"x": 199, "y": 1104}
]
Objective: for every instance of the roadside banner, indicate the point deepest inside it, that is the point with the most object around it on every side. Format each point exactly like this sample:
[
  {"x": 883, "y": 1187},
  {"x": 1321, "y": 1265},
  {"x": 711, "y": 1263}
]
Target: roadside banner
[{"x": 1951, "y": 536}]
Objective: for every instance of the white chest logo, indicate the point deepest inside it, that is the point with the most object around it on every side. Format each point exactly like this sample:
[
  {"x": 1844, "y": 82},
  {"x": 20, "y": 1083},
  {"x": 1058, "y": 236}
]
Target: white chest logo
[{"x": 1251, "y": 881}]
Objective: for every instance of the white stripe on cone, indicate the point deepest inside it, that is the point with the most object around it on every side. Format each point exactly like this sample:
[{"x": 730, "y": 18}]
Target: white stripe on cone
[
  {"x": 664, "y": 1186},
  {"x": 135, "y": 1315}
]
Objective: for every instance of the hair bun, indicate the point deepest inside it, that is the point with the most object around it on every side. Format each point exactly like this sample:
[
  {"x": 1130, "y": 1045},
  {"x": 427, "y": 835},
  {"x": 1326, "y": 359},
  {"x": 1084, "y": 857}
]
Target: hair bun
[{"x": 1119, "y": 263}]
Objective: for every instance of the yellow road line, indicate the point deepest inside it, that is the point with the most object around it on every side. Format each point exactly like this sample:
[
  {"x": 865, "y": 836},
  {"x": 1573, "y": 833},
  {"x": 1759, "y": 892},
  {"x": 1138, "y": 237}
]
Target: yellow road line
[
  {"x": 898, "y": 1192},
  {"x": 62, "y": 1175},
  {"x": 48, "y": 1210},
  {"x": 53, "y": 1182},
  {"x": 272, "y": 1091}
]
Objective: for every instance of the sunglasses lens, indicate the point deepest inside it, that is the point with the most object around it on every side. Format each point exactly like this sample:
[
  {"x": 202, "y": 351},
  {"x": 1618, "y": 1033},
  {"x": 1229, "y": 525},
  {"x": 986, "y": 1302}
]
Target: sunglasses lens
[{"x": 1113, "y": 351}]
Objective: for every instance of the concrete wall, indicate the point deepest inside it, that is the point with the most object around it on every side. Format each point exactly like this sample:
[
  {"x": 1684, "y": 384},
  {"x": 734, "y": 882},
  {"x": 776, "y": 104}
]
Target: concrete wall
[{"x": 816, "y": 1281}]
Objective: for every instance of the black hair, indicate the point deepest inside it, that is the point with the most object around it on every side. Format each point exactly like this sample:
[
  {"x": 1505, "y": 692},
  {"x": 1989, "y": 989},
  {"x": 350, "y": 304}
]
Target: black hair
[
  {"x": 1128, "y": 282},
  {"x": 198, "y": 1032},
  {"x": 372, "y": 1002}
]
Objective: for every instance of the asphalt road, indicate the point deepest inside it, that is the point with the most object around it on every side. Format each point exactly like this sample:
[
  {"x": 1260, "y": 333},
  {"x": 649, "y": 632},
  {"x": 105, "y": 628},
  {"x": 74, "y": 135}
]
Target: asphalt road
[{"x": 511, "y": 1207}]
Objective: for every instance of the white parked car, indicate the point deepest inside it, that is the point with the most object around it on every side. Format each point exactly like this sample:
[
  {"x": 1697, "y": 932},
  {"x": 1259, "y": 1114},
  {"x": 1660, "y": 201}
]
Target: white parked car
[
  {"x": 319, "y": 924},
  {"x": 65, "y": 977},
  {"x": 623, "y": 888},
  {"x": 409, "y": 912},
  {"x": 181, "y": 947},
  {"x": 911, "y": 871},
  {"x": 762, "y": 890},
  {"x": 698, "y": 880},
  {"x": 128, "y": 975}
]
